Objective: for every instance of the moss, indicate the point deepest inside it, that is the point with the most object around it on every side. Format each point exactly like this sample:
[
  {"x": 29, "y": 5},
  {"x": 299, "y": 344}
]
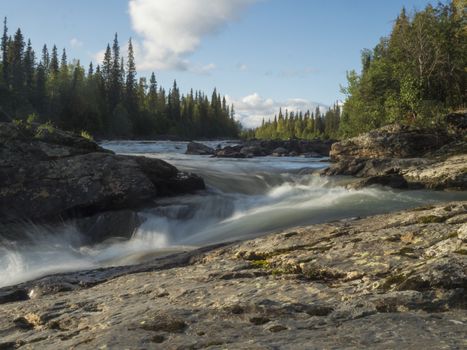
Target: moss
[
  {"x": 426, "y": 207},
  {"x": 259, "y": 320},
  {"x": 395, "y": 279},
  {"x": 448, "y": 208},
  {"x": 405, "y": 251},
  {"x": 461, "y": 251},
  {"x": 453, "y": 235},
  {"x": 430, "y": 219},
  {"x": 263, "y": 264}
]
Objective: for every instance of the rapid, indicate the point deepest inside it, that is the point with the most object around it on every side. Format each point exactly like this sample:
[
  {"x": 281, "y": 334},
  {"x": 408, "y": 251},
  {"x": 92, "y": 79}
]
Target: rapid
[{"x": 245, "y": 198}]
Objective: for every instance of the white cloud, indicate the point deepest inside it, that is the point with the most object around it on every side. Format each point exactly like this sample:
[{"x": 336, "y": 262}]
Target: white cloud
[
  {"x": 76, "y": 43},
  {"x": 98, "y": 56},
  {"x": 251, "y": 109},
  {"x": 242, "y": 67},
  {"x": 206, "y": 69},
  {"x": 171, "y": 30}
]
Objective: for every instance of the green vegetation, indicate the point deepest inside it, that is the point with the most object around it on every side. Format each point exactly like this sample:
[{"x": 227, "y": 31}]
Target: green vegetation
[
  {"x": 414, "y": 75},
  {"x": 107, "y": 100},
  {"x": 307, "y": 126},
  {"x": 86, "y": 135},
  {"x": 431, "y": 219}
]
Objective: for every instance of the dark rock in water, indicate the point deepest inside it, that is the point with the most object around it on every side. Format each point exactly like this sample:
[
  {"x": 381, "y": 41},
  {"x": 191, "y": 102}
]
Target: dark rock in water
[
  {"x": 253, "y": 150},
  {"x": 50, "y": 174},
  {"x": 392, "y": 180},
  {"x": 391, "y": 141},
  {"x": 110, "y": 224},
  {"x": 230, "y": 152},
  {"x": 260, "y": 148},
  {"x": 279, "y": 151},
  {"x": 199, "y": 149}
]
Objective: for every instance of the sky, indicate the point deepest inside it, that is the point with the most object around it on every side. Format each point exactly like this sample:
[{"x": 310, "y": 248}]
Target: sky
[{"x": 261, "y": 54}]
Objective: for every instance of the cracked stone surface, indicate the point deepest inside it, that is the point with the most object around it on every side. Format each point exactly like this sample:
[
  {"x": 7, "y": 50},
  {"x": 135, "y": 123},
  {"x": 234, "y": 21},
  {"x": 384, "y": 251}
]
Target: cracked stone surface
[{"x": 394, "y": 281}]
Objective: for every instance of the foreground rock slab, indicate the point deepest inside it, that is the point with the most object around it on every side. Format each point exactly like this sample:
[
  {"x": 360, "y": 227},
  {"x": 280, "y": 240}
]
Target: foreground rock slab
[{"x": 391, "y": 281}]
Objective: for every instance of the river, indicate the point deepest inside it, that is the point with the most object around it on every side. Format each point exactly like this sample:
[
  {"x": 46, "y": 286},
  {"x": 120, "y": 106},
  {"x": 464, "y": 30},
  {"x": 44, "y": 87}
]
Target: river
[{"x": 245, "y": 198}]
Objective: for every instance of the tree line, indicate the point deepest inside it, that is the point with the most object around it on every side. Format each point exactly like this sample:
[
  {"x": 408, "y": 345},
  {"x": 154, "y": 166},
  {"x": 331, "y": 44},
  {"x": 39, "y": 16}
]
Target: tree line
[
  {"x": 299, "y": 125},
  {"x": 107, "y": 100},
  {"x": 415, "y": 75}
]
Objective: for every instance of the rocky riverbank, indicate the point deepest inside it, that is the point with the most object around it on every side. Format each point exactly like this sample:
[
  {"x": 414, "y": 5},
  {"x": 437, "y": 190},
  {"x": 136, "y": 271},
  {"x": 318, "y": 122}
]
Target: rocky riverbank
[
  {"x": 390, "y": 281},
  {"x": 404, "y": 157},
  {"x": 48, "y": 175},
  {"x": 262, "y": 148}
]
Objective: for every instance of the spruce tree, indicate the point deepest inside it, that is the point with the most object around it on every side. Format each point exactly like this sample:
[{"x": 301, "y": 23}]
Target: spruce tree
[
  {"x": 4, "y": 47},
  {"x": 130, "y": 84},
  {"x": 152, "y": 94},
  {"x": 54, "y": 61},
  {"x": 107, "y": 67},
  {"x": 29, "y": 67},
  {"x": 45, "y": 58},
  {"x": 115, "y": 80},
  {"x": 17, "y": 62}
]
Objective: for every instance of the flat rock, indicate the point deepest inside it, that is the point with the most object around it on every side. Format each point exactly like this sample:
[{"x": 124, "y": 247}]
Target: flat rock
[{"x": 388, "y": 281}]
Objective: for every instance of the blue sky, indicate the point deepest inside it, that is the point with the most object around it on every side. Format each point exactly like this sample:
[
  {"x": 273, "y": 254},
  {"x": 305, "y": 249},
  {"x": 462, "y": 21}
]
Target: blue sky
[{"x": 263, "y": 54}]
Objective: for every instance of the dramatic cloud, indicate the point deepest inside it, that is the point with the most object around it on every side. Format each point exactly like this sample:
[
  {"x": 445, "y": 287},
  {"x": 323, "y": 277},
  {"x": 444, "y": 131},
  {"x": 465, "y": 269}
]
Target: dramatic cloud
[
  {"x": 250, "y": 110},
  {"x": 171, "y": 30}
]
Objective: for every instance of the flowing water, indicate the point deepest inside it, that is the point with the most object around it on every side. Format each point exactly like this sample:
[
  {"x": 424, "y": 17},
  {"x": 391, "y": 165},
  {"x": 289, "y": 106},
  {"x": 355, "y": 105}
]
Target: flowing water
[{"x": 245, "y": 198}]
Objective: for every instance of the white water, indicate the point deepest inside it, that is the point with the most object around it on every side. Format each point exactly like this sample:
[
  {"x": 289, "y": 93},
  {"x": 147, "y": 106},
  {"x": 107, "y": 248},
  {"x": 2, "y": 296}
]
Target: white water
[{"x": 245, "y": 198}]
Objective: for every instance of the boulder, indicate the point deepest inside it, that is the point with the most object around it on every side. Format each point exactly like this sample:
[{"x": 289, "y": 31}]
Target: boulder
[
  {"x": 260, "y": 148},
  {"x": 45, "y": 175},
  {"x": 199, "y": 149},
  {"x": 254, "y": 151},
  {"x": 279, "y": 152},
  {"x": 393, "y": 180},
  {"x": 230, "y": 152},
  {"x": 391, "y": 141},
  {"x": 401, "y": 157}
]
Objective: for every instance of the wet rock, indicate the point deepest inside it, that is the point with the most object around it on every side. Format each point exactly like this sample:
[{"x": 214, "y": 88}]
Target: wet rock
[
  {"x": 253, "y": 150},
  {"x": 230, "y": 152},
  {"x": 198, "y": 149},
  {"x": 110, "y": 224},
  {"x": 259, "y": 148},
  {"x": 393, "y": 180}
]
